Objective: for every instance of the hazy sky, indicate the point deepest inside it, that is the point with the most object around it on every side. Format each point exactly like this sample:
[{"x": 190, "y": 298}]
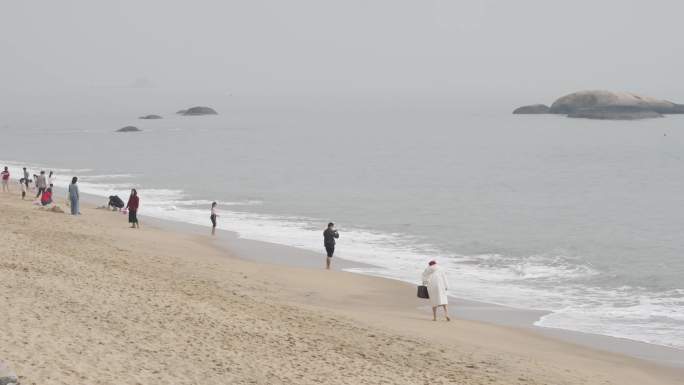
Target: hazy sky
[{"x": 540, "y": 48}]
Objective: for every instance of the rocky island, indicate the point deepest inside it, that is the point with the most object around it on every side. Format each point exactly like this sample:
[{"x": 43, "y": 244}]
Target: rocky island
[
  {"x": 150, "y": 117},
  {"x": 532, "y": 109},
  {"x": 196, "y": 111},
  {"x": 606, "y": 105}
]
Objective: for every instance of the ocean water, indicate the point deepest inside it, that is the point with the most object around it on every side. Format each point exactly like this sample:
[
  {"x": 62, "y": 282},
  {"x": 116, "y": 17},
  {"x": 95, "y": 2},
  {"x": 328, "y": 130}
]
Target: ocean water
[{"x": 580, "y": 218}]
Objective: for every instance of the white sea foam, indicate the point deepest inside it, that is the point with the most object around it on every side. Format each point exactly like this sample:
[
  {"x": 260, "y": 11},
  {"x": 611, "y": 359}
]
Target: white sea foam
[{"x": 653, "y": 317}]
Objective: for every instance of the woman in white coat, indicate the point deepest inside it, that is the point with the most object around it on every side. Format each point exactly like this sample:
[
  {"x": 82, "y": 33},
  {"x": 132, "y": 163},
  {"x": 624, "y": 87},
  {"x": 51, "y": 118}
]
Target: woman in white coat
[{"x": 435, "y": 280}]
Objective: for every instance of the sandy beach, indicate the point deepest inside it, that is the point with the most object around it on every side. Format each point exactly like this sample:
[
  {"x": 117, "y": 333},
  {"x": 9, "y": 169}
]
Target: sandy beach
[{"x": 86, "y": 300}]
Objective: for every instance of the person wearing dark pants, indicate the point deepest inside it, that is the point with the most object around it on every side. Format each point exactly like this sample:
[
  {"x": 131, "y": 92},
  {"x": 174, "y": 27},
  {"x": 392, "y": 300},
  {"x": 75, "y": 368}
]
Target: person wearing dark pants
[
  {"x": 132, "y": 206},
  {"x": 213, "y": 217},
  {"x": 329, "y": 236},
  {"x": 41, "y": 184},
  {"x": 26, "y": 178}
]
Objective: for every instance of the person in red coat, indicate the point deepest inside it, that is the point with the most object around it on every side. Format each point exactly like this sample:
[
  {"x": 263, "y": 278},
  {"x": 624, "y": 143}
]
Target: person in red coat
[
  {"x": 132, "y": 206},
  {"x": 46, "y": 198}
]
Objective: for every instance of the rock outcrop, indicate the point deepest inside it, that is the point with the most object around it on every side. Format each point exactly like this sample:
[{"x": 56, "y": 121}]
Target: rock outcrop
[
  {"x": 615, "y": 113},
  {"x": 532, "y": 109},
  {"x": 200, "y": 110},
  {"x": 181, "y": 112},
  {"x": 128, "y": 129},
  {"x": 605, "y": 99},
  {"x": 608, "y": 105},
  {"x": 150, "y": 117}
]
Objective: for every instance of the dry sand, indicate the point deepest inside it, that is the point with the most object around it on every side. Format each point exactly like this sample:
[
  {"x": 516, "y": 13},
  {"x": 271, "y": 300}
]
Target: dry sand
[{"x": 86, "y": 300}]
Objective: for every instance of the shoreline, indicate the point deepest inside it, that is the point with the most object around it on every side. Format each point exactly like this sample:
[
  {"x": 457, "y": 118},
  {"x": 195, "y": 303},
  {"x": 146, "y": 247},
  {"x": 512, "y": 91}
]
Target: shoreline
[
  {"x": 191, "y": 308},
  {"x": 462, "y": 308},
  {"x": 527, "y": 315},
  {"x": 229, "y": 242}
]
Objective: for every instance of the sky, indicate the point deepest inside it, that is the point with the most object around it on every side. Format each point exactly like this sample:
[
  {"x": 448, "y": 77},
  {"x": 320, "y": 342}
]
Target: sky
[{"x": 538, "y": 49}]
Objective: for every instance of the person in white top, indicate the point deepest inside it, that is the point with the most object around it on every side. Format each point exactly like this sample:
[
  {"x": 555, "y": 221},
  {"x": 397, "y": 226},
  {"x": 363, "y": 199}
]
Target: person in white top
[
  {"x": 213, "y": 218},
  {"x": 436, "y": 282},
  {"x": 24, "y": 187},
  {"x": 51, "y": 179}
]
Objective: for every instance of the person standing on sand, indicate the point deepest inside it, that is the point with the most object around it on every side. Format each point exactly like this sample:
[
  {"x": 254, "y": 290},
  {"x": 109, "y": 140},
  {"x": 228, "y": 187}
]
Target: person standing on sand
[
  {"x": 132, "y": 206},
  {"x": 436, "y": 282},
  {"x": 213, "y": 217},
  {"x": 74, "y": 197},
  {"x": 24, "y": 187},
  {"x": 329, "y": 236},
  {"x": 5, "y": 174},
  {"x": 26, "y": 177},
  {"x": 41, "y": 184}
]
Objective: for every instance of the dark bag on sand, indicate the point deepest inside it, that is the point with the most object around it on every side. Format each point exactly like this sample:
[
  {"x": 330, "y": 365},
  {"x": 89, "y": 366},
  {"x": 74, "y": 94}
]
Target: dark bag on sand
[{"x": 422, "y": 292}]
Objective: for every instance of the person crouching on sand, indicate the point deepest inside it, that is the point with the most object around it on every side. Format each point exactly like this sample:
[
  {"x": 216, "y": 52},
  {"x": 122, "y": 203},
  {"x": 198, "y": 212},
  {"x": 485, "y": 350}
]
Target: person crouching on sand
[
  {"x": 213, "y": 217},
  {"x": 74, "y": 197},
  {"x": 46, "y": 198},
  {"x": 436, "y": 282},
  {"x": 329, "y": 236},
  {"x": 132, "y": 206}
]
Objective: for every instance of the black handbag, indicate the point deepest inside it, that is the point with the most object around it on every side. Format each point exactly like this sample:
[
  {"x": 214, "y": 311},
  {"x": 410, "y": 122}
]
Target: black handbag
[{"x": 423, "y": 292}]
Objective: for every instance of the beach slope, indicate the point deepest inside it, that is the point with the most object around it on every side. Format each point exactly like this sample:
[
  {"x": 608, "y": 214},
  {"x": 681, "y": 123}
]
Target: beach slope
[{"x": 86, "y": 300}]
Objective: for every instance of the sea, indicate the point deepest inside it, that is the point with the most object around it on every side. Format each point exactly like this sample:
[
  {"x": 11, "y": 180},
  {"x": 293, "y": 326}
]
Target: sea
[{"x": 583, "y": 219}]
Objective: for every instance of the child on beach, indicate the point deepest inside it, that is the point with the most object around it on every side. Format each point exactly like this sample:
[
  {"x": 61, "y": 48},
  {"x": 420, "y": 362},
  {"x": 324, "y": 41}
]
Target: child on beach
[
  {"x": 5, "y": 174},
  {"x": 213, "y": 217},
  {"x": 24, "y": 186}
]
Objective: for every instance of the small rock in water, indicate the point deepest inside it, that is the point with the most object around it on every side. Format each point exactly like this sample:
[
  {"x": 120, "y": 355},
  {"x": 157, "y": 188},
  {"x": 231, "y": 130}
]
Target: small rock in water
[
  {"x": 128, "y": 129},
  {"x": 7, "y": 376}
]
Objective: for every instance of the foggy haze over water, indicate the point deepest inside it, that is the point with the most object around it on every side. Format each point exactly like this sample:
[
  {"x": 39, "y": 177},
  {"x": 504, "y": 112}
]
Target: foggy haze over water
[{"x": 528, "y": 50}]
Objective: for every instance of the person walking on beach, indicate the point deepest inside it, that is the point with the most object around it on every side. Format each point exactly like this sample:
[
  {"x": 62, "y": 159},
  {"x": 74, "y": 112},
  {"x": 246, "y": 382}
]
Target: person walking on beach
[
  {"x": 26, "y": 177},
  {"x": 213, "y": 217},
  {"x": 74, "y": 197},
  {"x": 5, "y": 175},
  {"x": 436, "y": 282},
  {"x": 132, "y": 206},
  {"x": 41, "y": 184},
  {"x": 329, "y": 236}
]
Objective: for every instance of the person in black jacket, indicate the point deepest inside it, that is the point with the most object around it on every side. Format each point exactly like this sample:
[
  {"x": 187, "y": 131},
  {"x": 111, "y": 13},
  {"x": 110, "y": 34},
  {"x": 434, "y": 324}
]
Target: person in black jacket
[
  {"x": 329, "y": 236},
  {"x": 115, "y": 203}
]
